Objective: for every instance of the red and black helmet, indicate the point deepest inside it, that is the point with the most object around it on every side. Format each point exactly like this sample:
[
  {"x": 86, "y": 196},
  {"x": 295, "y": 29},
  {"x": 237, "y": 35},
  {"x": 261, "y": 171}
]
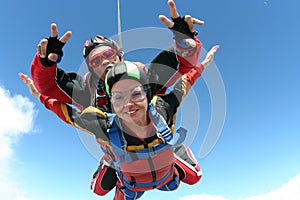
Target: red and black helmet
[{"x": 99, "y": 40}]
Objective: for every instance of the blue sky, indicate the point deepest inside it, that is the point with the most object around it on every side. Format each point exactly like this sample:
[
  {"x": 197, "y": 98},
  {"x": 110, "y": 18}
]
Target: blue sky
[{"x": 257, "y": 154}]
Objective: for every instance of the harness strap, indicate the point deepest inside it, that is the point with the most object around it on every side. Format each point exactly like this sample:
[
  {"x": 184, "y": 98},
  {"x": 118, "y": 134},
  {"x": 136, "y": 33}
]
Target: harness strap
[
  {"x": 131, "y": 184},
  {"x": 178, "y": 137},
  {"x": 117, "y": 142},
  {"x": 165, "y": 132},
  {"x": 123, "y": 153},
  {"x": 118, "y": 145},
  {"x": 142, "y": 146},
  {"x": 145, "y": 153}
]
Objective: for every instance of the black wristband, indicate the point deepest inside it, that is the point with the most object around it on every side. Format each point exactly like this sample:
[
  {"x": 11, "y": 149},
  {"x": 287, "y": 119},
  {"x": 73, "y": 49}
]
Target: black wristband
[{"x": 46, "y": 62}]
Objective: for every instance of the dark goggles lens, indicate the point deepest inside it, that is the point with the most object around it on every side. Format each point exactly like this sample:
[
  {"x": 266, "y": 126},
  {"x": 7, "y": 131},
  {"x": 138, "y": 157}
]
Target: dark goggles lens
[{"x": 98, "y": 59}]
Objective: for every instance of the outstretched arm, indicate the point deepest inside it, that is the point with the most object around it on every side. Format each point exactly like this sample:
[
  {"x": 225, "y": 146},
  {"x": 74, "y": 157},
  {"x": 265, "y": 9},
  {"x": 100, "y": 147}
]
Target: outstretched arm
[
  {"x": 29, "y": 83},
  {"x": 50, "y": 49},
  {"x": 186, "y": 81},
  {"x": 172, "y": 63},
  {"x": 44, "y": 65},
  {"x": 92, "y": 120},
  {"x": 194, "y": 73},
  {"x": 210, "y": 56},
  {"x": 183, "y": 29}
]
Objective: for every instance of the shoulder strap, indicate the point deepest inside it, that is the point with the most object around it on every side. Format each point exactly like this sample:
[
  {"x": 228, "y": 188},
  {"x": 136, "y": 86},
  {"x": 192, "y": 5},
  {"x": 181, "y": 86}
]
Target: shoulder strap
[
  {"x": 116, "y": 139},
  {"x": 164, "y": 132}
]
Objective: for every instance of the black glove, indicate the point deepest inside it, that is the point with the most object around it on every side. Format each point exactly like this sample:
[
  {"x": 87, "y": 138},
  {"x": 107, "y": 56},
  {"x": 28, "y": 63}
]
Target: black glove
[
  {"x": 182, "y": 31},
  {"x": 53, "y": 46}
]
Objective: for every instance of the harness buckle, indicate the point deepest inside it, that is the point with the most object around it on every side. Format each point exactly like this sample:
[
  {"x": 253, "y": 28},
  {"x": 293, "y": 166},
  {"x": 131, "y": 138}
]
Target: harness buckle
[
  {"x": 159, "y": 135},
  {"x": 151, "y": 153}
]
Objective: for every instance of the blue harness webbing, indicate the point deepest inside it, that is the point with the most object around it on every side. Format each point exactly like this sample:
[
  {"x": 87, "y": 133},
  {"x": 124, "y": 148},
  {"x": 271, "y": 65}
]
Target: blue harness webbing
[
  {"x": 164, "y": 131},
  {"x": 130, "y": 184},
  {"x": 118, "y": 144}
]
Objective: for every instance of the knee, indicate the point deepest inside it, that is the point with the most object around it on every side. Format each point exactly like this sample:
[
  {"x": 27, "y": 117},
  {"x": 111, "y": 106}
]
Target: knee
[
  {"x": 189, "y": 174},
  {"x": 104, "y": 181}
]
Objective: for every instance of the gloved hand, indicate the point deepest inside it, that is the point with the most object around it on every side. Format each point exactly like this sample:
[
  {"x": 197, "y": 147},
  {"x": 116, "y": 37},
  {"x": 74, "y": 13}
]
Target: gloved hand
[
  {"x": 50, "y": 49},
  {"x": 181, "y": 31},
  {"x": 182, "y": 27}
]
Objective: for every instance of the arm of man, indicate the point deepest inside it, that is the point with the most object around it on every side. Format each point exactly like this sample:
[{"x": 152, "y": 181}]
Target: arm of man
[
  {"x": 44, "y": 65},
  {"x": 171, "y": 63}
]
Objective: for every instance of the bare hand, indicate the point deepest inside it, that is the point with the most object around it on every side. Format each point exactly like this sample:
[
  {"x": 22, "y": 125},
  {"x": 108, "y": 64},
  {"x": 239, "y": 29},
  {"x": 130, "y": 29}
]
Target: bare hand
[
  {"x": 28, "y": 81},
  {"x": 210, "y": 56}
]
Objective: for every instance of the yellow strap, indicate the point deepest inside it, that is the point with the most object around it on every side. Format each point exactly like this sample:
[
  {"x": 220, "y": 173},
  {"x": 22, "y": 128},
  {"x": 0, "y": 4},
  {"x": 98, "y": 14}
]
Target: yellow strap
[
  {"x": 154, "y": 99},
  {"x": 141, "y": 147},
  {"x": 92, "y": 109}
]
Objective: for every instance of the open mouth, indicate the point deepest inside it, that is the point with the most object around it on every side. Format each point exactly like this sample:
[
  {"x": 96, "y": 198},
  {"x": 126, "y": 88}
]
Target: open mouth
[
  {"x": 131, "y": 112},
  {"x": 108, "y": 68}
]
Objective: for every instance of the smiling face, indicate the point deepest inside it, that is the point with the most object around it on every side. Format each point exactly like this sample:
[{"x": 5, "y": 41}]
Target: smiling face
[
  {"x": 101, "y": 59},
  {"x": 130, "y": 102}
]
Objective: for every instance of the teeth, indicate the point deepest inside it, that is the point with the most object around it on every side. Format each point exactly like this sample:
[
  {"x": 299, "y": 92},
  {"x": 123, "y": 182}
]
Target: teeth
[{"x": 130, "y": 112}]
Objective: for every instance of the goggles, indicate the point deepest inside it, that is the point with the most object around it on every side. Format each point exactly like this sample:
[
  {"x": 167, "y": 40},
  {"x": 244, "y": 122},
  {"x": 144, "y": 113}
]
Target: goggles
[
  {"x": 97, "y": 59},
  {"x": 137, "y": 94}
]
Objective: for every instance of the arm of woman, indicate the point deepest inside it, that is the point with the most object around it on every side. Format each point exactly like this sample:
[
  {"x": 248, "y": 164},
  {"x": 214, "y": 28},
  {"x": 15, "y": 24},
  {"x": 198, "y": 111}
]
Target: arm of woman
[{"x": 91, "y": 120}]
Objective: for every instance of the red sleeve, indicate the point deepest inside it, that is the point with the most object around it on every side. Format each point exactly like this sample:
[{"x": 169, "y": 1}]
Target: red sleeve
[
  {"x": 186, "y": 63},
  {"x": 44, "y": 80},
  {"x": 193, "y": 74},
  {"x": 188, "y": 79},
  {"x": 59, "y": 108},
  {"x": 188, "y": 57},
  {"x": 181, "y": 89}
]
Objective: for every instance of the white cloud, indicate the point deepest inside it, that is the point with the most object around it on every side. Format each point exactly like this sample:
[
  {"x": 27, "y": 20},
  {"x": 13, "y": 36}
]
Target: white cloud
[
  {"x": 289, "y": 190},
  {"x": 204, "y": 197},
  {"x": 16, "y": 119}
]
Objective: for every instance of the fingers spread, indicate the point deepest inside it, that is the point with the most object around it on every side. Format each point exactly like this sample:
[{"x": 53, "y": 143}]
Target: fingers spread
[
  {"x": 188, "y": 20},
  {"x": 173, "y": 11},
  {"x": 214, "y": 49},
  {"x": 54, "y": 31},
  {"x": 65, "y": 37},
  {"x": 197, "y": 21},
  {"x": 42, "y": 48},
  {"x": 166, "y": 21},
  {"x": 39, "y": 50},
  {"x": 23, "y": 77}
]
